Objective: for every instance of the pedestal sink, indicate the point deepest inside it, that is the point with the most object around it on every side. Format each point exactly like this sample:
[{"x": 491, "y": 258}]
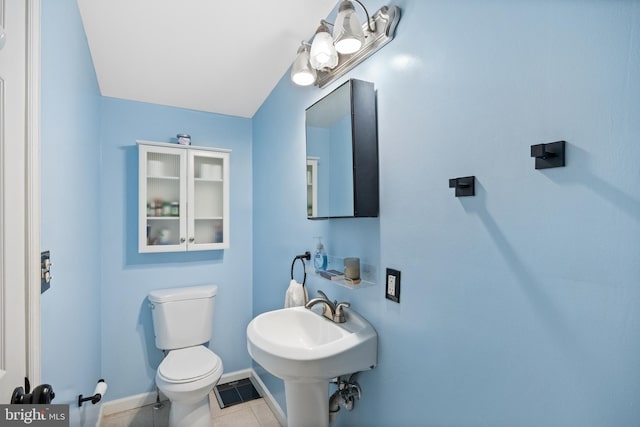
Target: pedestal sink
[{"x": 307, "y": 350}]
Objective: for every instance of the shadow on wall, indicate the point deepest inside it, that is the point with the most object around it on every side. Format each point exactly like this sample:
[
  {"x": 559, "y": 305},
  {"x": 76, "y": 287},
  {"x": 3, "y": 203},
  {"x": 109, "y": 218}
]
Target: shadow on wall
[
  {"x": 549, "y": 314},
  {"x": 582, "y": 176},
  {"x": 130, "y": 237}
]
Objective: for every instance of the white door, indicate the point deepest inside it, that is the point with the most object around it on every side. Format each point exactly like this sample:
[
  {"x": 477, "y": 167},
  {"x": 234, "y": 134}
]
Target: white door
[{"x": 13, "y": 257}]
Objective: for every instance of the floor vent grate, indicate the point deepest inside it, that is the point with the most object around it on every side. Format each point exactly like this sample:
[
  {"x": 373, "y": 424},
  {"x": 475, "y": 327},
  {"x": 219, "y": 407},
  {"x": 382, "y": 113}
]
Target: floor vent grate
[{"x": 235, "y": 392}]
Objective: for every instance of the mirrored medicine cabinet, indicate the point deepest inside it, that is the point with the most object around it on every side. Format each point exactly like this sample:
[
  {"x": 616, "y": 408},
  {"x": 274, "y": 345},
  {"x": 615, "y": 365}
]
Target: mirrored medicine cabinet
[{"x": 342, "y": 153}]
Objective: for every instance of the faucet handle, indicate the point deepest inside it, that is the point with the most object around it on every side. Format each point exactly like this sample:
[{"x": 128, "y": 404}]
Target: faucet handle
[
  {"x": 338, "y": 316},
  {"x": 335, "y": 301}
]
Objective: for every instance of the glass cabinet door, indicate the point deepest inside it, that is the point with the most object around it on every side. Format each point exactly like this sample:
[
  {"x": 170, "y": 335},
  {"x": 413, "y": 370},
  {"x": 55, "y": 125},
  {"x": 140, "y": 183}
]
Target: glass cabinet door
[
  {"x": 162, "y": 199},
  {"x": 208, "y": 214}
]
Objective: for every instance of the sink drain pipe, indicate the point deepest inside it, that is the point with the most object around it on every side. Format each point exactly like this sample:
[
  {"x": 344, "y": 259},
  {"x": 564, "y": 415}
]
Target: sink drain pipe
[{"x": 345, "y": 396}]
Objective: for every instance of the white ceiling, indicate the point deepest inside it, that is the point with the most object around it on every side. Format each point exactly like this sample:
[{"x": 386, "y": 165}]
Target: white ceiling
[{"x": 218, "y": 56}]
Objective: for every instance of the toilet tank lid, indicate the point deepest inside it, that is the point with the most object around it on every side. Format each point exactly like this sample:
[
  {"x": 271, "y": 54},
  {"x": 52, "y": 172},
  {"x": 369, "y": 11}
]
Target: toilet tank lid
[{"x": 179, "y": 294}]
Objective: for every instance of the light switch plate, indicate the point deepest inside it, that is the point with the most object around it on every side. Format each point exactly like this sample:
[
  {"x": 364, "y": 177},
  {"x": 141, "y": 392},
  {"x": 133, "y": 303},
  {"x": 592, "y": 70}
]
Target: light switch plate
[
  {"x": 392, "y": 282},
  {"x": 45, "y": 271}
]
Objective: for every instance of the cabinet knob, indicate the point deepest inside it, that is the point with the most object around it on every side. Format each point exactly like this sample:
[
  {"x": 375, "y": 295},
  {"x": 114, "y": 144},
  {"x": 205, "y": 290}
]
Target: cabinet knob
[
  {"x": 182, "y": 240},
  {"x": 192, "y": 239}
]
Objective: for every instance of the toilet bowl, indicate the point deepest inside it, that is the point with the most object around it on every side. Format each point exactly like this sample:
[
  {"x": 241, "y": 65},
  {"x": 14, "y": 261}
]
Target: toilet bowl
[
  {"x": 186, "y": 376},
  {"x": 183, "y": 323}
]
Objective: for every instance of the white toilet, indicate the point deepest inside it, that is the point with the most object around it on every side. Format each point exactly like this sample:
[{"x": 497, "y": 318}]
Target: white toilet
[{"x": 183, "y": 322}]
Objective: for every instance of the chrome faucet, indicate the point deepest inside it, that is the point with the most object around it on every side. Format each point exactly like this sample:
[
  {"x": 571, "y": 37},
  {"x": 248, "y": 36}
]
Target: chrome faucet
[{"x": 331, "y": 310}]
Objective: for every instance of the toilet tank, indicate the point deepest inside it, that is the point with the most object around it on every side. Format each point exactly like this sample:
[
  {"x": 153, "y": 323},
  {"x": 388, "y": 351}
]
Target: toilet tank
[{"x": 182, "y": 317}]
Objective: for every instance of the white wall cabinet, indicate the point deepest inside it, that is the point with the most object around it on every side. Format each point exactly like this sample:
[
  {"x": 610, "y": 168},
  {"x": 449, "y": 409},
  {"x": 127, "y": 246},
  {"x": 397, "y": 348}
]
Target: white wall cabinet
[{"x": 183, "y": 197}]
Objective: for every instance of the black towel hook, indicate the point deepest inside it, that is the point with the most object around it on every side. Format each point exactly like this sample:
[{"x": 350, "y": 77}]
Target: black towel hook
[{"x": 307, "y": 256}]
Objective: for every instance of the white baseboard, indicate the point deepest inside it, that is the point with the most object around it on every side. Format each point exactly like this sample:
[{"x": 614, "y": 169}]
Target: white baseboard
[
  {"x": 130, "y": 402},
  {"x": 144, "y": 399},
  {"x": 236, "y": 376}
]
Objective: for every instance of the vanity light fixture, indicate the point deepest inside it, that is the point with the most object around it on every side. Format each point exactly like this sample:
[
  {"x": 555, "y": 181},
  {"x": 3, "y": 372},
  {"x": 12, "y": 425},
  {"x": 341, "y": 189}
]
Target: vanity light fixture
[{"x": 351, "y": 43}]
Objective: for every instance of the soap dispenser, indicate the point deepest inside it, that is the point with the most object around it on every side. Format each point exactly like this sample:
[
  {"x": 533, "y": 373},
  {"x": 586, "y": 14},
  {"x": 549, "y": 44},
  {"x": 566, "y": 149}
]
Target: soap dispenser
[{"x": 320, "y": 257}]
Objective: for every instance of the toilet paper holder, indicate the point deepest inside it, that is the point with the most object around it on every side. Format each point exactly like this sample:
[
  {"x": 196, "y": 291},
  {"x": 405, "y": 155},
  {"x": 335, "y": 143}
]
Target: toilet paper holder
[{"x": 99, "y": 391}]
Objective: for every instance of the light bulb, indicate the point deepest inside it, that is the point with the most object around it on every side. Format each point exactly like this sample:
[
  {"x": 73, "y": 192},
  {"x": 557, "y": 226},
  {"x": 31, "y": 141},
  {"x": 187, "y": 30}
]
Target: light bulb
[
  {"x": 301, "y": 72},
  {"x": 323, "y": 53},
  {"x": 348, "y": 36}
]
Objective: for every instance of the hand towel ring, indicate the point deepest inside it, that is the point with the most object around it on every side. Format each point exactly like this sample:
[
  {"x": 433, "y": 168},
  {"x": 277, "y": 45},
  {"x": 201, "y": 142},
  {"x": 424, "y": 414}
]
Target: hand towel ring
[{"x": 307, "y": 256}]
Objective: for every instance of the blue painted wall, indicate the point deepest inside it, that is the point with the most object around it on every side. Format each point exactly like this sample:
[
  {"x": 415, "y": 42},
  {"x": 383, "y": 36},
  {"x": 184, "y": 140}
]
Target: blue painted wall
[
  {"x": 95, "y": 319},
  {"x": 520, "y": 306},
  {"x": 130, "y": 357},
  {"x": 71, "y": 214}
]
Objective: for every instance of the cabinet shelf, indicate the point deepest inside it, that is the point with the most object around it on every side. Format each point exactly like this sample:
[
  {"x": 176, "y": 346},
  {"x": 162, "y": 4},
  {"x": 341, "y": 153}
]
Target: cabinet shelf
[
  {"x": 162, "y": 218},
  {"x": 167, "y": 178},
  {"x": 219, "y": 180}
]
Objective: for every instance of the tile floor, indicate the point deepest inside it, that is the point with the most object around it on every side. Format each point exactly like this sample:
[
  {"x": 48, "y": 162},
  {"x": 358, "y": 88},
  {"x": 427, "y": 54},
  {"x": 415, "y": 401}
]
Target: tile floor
[{"x": 254, "y": 413}]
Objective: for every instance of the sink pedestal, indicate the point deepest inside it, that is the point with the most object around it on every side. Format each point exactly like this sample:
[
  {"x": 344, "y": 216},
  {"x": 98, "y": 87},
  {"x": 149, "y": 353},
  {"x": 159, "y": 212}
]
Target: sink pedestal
[{"x": 307, "y": 403}]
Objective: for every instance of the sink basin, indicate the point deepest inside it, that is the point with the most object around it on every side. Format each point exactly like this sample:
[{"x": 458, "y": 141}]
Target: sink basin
[
  {"x": 306, "y": 350},
  {"x": 300, "y": 343}
]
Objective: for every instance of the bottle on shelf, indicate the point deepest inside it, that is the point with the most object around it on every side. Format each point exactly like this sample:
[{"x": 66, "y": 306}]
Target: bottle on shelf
[
  {"x": 158, "y": 207},
  {"x": 320, "y": 257}
]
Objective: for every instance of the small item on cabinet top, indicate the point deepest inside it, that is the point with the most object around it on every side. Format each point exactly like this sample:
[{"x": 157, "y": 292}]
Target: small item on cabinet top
[{"x": 184, "y": 139}]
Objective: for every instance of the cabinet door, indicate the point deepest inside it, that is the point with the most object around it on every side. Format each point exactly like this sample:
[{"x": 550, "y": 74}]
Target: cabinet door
[
  {"x": 208, "y": 194},
  {"x": 162, "y": 199}
]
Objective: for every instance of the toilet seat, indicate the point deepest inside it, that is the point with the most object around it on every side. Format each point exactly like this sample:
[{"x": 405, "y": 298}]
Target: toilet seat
[{"x": 188, "y": 364}]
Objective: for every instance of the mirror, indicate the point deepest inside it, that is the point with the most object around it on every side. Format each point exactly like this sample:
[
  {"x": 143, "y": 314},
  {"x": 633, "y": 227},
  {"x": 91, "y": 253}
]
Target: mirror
[{"x": 342, "y": 153}]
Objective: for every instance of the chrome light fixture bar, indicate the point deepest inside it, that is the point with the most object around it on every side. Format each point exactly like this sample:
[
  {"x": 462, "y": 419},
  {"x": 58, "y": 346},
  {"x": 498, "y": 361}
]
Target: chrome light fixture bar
[{"x": 352, "y": 42}]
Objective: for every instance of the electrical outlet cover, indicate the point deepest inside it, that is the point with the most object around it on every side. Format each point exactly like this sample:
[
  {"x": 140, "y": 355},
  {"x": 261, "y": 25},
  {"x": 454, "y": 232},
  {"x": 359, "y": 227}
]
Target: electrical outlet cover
[{"x": 392, "y": 285}]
